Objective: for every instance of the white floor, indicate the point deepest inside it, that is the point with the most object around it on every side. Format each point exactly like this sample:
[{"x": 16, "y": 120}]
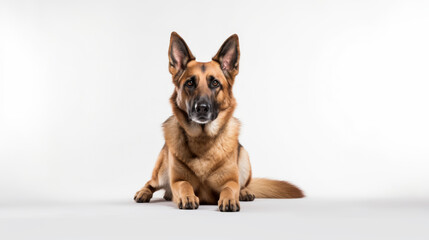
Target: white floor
[{"x": 280, "y": 219}]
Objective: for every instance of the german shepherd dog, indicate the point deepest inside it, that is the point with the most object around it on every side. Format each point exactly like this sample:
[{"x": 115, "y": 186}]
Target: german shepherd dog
[{"x": 202, "y": 161}]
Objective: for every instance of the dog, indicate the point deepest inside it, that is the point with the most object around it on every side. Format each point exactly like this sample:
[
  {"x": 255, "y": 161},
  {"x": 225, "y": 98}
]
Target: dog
[{"x": 202, "y": 161}]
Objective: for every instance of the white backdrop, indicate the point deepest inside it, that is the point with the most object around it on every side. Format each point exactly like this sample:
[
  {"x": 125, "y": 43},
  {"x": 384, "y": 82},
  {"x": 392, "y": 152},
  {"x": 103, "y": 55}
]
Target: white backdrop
[{"x": 333, "y": 95}]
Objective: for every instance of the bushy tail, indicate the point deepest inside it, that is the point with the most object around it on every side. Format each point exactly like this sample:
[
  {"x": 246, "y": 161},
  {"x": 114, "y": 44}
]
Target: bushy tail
[{"x": 267, "y": 188}]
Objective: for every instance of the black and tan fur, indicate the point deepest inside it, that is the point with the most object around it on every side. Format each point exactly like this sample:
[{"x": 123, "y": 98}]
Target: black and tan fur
[{"x": 202, "y": 161}]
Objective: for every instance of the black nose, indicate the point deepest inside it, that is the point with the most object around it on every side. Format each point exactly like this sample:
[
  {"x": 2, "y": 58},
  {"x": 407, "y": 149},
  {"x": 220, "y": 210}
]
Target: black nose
[{"x": 202, "y": 107}]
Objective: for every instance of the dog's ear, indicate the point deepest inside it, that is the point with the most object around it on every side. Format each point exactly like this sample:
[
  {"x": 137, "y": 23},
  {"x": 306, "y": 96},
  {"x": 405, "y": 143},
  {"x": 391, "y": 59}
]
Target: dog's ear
[
  {"x": 228, "y": 56},
  {"x": 178, "y": 54}
]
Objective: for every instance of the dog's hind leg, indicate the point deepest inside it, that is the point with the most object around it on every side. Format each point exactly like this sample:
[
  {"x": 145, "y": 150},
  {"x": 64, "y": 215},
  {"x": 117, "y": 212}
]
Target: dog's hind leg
[
  {"x": 168, "y": 195},
  {"x": 245, "y": 173},
  {"x": 146, "y": 192},
  {"x": 158, "y": 181}
]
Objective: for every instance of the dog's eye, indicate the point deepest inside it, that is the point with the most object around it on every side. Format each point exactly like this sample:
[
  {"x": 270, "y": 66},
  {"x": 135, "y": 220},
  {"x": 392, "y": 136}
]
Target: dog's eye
[
  {"x": 190, "y": 83},
  {"x": 215, "y": 83}
]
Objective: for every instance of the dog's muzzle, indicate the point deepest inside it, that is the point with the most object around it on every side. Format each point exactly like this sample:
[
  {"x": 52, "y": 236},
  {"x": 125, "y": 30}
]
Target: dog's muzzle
[{"x": 202, "y": 111}]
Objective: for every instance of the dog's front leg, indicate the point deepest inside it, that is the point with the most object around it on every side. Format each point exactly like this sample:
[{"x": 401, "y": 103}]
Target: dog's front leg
[
  {"x": 229, "y": 197},
  {"x": 181, "y": 187},
  {"x": 184, "y": 196}
]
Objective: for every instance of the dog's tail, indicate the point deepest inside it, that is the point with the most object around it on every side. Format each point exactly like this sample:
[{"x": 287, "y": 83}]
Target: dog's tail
[{"x": 267, "y": 188}]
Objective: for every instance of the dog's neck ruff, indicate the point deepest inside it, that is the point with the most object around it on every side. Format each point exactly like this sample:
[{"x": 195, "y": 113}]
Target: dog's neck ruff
[{"x": 192, "y": 141}]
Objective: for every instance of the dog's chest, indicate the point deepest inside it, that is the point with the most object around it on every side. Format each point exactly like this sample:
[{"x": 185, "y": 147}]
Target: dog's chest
[{"x": 202, "y": 167}]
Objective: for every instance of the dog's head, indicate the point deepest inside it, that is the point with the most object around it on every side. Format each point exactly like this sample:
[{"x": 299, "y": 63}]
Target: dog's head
[{"x": 203, "y": 90}]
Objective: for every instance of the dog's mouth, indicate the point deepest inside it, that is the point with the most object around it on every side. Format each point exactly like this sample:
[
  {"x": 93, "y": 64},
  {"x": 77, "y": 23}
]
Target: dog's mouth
[{"x": 201, "y": 119}]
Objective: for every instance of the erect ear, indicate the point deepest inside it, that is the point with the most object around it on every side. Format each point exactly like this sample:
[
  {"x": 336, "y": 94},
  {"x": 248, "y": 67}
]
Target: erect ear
[
  {"x": 178, "y": 54},
  {"x": 228, "y": 56}
]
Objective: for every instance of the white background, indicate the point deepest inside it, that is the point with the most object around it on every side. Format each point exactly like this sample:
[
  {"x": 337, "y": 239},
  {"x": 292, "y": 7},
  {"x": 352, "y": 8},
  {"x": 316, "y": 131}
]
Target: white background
[{"x": 333, "y": 95}]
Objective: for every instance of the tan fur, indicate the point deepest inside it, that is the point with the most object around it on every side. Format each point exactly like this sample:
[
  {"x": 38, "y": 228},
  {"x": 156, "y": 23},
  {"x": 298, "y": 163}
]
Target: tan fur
[
  {"x": 267, "y": 188},
  {"x": 204, "y": 163}
]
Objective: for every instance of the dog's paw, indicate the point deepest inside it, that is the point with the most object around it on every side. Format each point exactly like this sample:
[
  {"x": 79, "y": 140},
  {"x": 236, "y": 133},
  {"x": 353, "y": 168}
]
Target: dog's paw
[
  {"x": 144, "y": 195},
  {"x": 168, "y": 196},
  {"x": 188, "y": 202},
  {"x": 229, "y": 205},
  {"x": 246, "y": 195}
]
